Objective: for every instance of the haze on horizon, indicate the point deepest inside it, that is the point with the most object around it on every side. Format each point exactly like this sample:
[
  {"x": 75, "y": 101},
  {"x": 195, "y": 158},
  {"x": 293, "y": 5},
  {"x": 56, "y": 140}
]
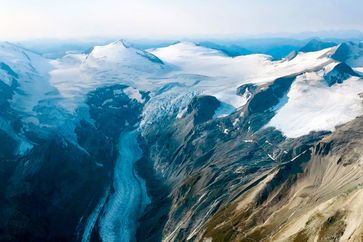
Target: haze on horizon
[{"x": 37, "y": 19}]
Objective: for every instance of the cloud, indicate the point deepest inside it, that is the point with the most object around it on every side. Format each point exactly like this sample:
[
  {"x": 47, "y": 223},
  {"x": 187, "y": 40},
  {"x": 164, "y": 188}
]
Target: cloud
[{"x": 179, "y": 18}]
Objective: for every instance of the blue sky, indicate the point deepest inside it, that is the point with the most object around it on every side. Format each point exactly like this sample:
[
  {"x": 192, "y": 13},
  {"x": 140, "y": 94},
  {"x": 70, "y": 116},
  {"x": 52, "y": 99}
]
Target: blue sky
[{"x": 34, "y": 19}]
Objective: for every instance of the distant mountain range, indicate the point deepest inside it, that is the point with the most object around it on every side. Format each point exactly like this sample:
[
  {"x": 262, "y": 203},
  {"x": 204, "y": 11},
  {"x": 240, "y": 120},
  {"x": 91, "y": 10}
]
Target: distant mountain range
[{"x": 278, "y": 47}]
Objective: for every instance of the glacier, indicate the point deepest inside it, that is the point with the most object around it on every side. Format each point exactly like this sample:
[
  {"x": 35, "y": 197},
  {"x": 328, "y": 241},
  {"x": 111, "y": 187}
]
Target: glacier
[{"x": 126, "y": 204}]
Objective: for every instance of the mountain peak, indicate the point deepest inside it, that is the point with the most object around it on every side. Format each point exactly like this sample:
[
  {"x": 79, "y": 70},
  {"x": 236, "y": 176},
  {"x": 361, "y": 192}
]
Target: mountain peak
[
  {"x": 186, "y": 47},
  {"x": 185, "y": 43},
  {"x": 316, "y": 45},
  {"x": 349, "y": 52},
  {"x": 113, "y": 49},
  {"x": 122, "y": 42},
  {"x": 339, "y": 74},
  {"x": 342, "y": 52}
]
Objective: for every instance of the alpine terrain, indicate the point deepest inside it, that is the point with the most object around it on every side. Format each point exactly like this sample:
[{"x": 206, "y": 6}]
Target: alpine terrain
[{"x": 182, "y": 142}]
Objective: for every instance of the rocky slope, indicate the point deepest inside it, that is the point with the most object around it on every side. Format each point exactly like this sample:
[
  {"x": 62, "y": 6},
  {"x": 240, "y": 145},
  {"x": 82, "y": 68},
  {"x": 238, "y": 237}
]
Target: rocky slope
[
  {"x": 314, "y": 197},
  {"x": 209, "y": 163},
  {"x": 241, "y": 183}
]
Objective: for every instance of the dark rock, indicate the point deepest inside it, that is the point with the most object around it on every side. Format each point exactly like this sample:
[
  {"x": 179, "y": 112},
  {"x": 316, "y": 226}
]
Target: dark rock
[
  {"x": 270, "y": 96},
  {"x": 249, "y": 87},
  {"x": 339, "y": 74},
  {"x": 292, "y": 55},
  {"x": 203, "y": 108},
  {"x": 342, "y": 53}
]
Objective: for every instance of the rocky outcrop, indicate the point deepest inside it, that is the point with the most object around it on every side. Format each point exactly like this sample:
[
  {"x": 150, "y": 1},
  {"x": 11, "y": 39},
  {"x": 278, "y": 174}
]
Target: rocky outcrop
[
  {"x": 202, "y": 108},
  {"x": 270, "y": 96},
  {"x": 292, "y": 55},
  {"x": 247, "y": 89},
  {"x": 339, "y": 74}
]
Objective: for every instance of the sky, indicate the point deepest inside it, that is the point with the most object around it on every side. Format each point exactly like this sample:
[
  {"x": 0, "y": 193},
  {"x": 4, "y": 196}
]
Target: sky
[{"x": 65, "y": 19}]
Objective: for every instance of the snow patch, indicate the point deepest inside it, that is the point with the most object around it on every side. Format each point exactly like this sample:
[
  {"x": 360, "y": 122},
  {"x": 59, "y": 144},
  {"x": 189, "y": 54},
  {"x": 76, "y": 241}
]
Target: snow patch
[
  {"x": 133, "y": 93},
  {"x": 223, "y": 110},
  {"x": 314, "y": 106}
]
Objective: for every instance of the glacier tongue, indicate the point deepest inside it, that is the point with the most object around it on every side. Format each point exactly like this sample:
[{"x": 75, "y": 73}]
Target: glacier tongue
[{"x": 129, "y": 198}]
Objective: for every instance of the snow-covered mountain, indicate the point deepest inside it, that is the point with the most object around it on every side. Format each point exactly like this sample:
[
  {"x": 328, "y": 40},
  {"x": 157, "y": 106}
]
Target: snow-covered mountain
[
  {"x": 30, "y": 71},
  {"x": 24, "y": 78},
  {"x": 103, "y": 65},
  {"x": 211, "y": 127},
  {"x": 298, "y": 107},
  {"x": 195, "y": 70},
  {"x": 350, "y": 53},
  {"x": 191, "y": 69}
]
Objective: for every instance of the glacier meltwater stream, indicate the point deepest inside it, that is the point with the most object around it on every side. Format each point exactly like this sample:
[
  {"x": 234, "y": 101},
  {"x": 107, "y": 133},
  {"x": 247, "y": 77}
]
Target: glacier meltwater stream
[{"x": 124, "y": 206}]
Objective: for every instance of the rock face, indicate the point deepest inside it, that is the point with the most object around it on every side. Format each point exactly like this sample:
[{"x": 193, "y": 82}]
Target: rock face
[
  {"x": 246, "y": 89},
  {"x": 202, "y": 108},
  {"x": 291, "y": 56},
  {"x": 339, "y": 74}
]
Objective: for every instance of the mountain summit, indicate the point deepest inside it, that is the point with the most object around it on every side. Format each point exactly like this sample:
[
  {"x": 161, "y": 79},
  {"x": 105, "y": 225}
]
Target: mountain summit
[{"x": 316, "y": 45}]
